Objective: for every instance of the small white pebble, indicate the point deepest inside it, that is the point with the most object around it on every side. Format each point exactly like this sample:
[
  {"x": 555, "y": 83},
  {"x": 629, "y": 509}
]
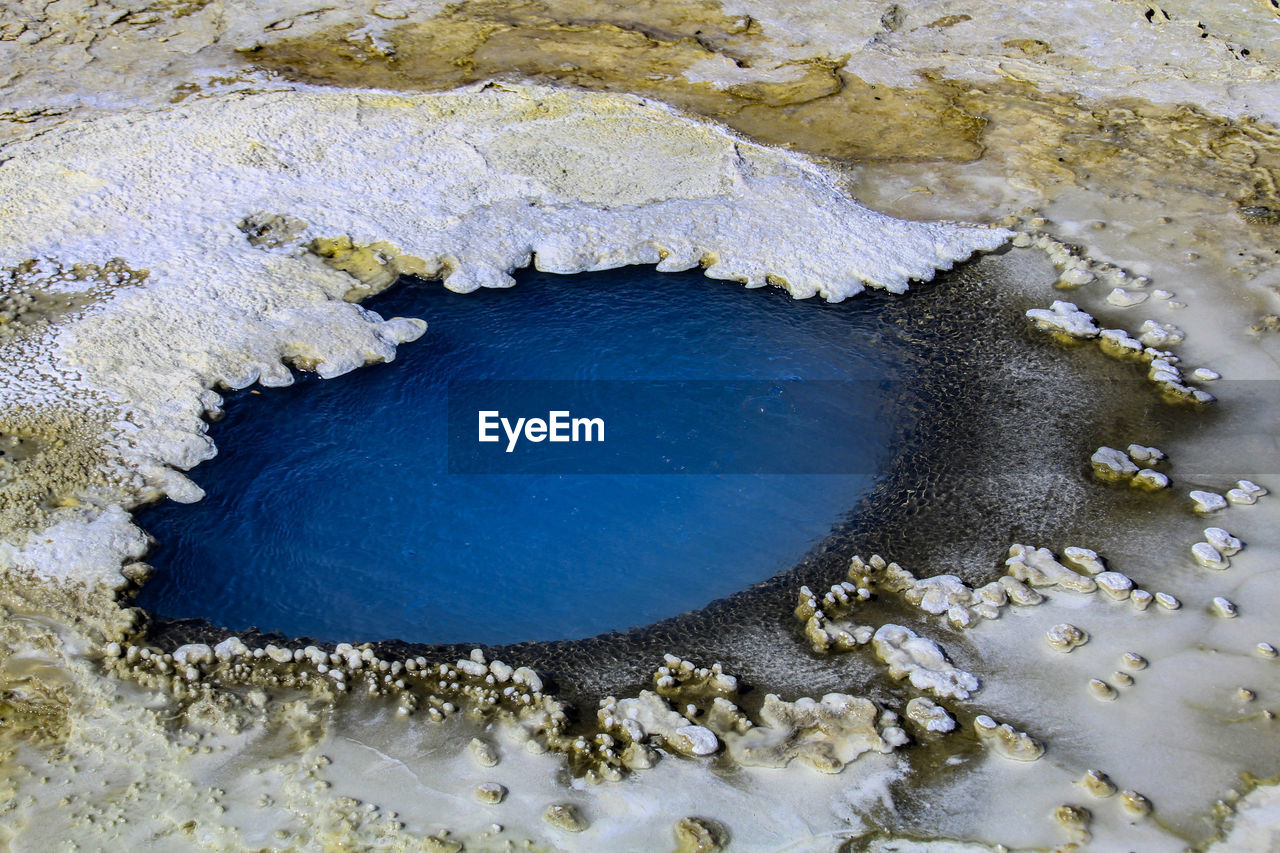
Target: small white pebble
[
  {"x": 1114, "y": 584},
  {"x": 1021, "y": 240},
  {"x": 1246, "y": 493},
  {"x": 1064, "y": 637},
  {"x": 1134, "y": 803},
  {"x": 1227, "y": 544},
  {"x": 1133, "y": 660},
  {"x": 1162, "y": 294},
  {"x": 1144, "y": 455},
  {"x": 1077, "y": 277},
  {"x": 1162, "y": 335},
  {"x": 1204, "y": 374},
  {"x": 1119, "y": 342},
  {"x": 1064, "y": 318},
  {"x": 961, "y": 616},
  {"x": 1112, "y": 464},
  {"x": 1224, "y": 608},
  {"x": 1239, "y": 497},
  {"x": 1140, "y": 599},
  {"x": 1206, "y": 555},
  {"x": 1266, "y": 650},
  {"x": 1122, "y": 298},
  {"x": 1083, "y": 559},
  {"x": 1167, "y": 601},
  {"x": 1122, "y": 679},
  {"x": 1245, "y": 695},
  {"x": 1097, "y": 783},
  {"x": 1206, "y": 502},
  {"x": 1150, "y": 480},
  {"x": 1101, "y": 690},
  {"x": 1175, "y": 304}
]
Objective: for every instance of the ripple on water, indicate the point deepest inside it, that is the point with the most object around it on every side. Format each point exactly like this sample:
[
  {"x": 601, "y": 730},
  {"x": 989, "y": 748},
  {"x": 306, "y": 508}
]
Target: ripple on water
[{"x": 331, "y": 510}]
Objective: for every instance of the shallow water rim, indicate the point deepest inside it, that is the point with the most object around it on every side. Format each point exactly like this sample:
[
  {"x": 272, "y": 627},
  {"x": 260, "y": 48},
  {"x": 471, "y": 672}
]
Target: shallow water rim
[
  {"x": 779, "y": 589},
  {"x": 427, "y": 596}
]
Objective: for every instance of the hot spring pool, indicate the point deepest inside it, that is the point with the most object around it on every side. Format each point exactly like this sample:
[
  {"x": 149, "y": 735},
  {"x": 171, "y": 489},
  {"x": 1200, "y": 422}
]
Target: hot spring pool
[{"x": 352, "y": 508}]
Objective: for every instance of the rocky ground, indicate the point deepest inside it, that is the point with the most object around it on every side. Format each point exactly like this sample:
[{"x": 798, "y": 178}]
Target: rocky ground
[{"x": 195, "y": 193}]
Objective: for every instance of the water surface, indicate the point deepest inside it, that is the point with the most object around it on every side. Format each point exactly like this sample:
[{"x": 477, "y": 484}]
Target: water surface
[{"x": 332, "y": 512}]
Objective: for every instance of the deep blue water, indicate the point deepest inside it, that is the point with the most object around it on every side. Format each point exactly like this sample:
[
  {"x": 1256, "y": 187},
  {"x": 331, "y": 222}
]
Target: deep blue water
[{"x": 332, "y": 509}]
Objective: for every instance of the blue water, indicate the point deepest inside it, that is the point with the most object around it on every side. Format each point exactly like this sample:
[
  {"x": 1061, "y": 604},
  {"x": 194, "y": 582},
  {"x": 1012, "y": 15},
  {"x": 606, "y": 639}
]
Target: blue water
[{"x": 332, "y": 512}]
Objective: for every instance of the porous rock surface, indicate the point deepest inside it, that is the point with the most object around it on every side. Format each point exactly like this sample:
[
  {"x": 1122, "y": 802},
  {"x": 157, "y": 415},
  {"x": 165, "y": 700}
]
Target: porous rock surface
[{"x": 181, "y": 192}]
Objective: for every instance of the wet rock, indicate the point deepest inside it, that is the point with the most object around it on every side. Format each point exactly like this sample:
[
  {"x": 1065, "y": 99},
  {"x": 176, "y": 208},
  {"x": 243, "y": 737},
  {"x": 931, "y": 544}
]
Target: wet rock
[
  {"x": 483, "y": 752},
  {"x": 1144, "y": 455},
  {"x": 826, "y": 734},
  {"x": 683, "y": 681},
  {"x": 1133, "y": 661},
  {"x": 938, "y": 594},
  {"x": 1246, "y": 493},
  {"x": 1116, "y": 585},
  {"x": 1064, "y": 637},
  {"x": 928, "y": 716},
  {"x": 1101, "y": 690},
  {"x": 1077, "y": 277},
  {"x": 1135, "y": 804},
  {"x": 194, "y": 654},
  {"x": 1083, "y": 560},
  {"x": 1019, "y": 593},
  {"x": 1064, "y": 318},
  {"x": 1075, "y": 820},
  {"x": 1098, "y": 783},
  {"x": 1038, "y": 568},
  {"x": 565, "y": 816},
  {"x": 1121, "y": 298},
  {"x": 922, "y": 662},
  {"x": 1006, "y": 741},
  {"x": 489, "y": 793},
  {"x": 1160, "y": 335},
  {"x": 649, "y": 714},
  {"x": 1118, "y": 343},
  {"x": 1207, "y": 556},
  {"x": 1223, "y": 541},
  {"x": 230, "y": 649},
  {"x": 1151, "y": 481},
  {"x": 1206, "y": 502},
  {"x": 700, "y": 835},
  {"x": 1112, "y": 465}
]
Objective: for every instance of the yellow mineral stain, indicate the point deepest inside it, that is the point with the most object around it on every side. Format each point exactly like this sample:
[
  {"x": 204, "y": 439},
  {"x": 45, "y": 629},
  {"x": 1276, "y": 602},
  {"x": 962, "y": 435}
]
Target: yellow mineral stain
[
  {"x": 1052, "y": 139},
  {"x": 810, "y": 104},
  {"x": 375, "y": 265},
  {"x": 1044, "y": 139}
]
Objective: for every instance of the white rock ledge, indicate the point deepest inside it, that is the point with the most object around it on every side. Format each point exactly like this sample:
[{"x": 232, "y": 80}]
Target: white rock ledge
[{"x": 474, "y": 184}]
